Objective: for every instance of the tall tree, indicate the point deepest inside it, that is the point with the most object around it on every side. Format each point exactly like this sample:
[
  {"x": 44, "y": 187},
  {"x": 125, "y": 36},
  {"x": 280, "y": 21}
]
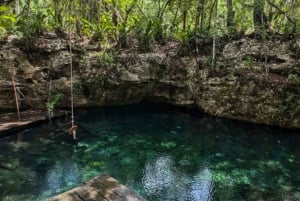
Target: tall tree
[
  {"x": 214, "y": 16},
  {"x": 200, "y": 15},
  {"x": 17, "y": 7},
  {"x": 260, "y": 20},
  {"x": 230, "y": 16}
]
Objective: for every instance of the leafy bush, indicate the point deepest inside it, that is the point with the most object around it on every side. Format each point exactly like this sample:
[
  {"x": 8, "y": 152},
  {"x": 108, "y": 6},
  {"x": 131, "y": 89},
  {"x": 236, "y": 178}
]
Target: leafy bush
[
  {"x": 50, "y": 105},
  {"x": 107, "y": 59},
  {"x": 33, "y": 24},
  {"x": 78, "y": 87},
  {"x": 7, "y": 20},
  {"x": 144, "y": 33}
]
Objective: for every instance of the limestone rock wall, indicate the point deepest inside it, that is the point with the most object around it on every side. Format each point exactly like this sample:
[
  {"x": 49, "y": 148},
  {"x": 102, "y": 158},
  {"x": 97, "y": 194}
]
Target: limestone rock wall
[{"x": 253, "y": 81}]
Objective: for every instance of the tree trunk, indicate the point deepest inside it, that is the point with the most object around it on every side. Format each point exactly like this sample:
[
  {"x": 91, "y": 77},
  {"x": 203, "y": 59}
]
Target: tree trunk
[
  {"x": 184, "y": 16},
  {"x": 17, "y": 7},
  {"x": 197, "y": 17},
  {"x": 215, "y": 16},
  {"x": 230, "y": 16},
  {"x": 202, "y": 14},
  {"x": 243, "y": 17},
  {"x": 259, "y": 18}
]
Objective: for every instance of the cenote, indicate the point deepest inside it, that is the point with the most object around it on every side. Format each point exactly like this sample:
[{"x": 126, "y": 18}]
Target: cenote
[{"x": 163, "y": 153}]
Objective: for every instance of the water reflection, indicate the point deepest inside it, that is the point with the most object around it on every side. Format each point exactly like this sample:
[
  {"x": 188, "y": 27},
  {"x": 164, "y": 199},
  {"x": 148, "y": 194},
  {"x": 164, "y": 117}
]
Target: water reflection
[
  {"x": 162, "y": 178},
  {"x": 62, "y": 175},
  {"x": 159, "y": 174},
  {"x": 202, "y": 187}
]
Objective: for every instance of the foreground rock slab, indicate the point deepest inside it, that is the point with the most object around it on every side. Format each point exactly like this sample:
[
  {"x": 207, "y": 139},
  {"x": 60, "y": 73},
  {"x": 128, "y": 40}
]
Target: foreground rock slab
[{"x": 100, "y": 188}]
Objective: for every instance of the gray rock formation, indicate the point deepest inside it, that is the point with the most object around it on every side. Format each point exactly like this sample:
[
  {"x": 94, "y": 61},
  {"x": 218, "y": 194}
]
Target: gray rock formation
[{"x": 254, "y": 81}]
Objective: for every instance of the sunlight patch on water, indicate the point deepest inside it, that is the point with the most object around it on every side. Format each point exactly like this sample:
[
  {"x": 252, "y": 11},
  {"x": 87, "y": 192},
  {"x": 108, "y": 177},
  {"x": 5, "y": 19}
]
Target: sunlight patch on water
[
  {"x": 62, "y": 175},
  {"x": 203, "y": 186},
  {"x": 159, "y": 174},
  {"x": 162, "y": 177}
]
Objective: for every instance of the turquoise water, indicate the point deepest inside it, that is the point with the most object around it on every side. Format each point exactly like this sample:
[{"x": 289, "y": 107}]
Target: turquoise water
[{"x": 161, "y": 152}]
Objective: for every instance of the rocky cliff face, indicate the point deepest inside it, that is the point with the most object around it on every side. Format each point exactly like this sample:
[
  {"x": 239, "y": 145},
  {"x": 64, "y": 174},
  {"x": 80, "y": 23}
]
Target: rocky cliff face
[{"x": 253, "y": 81}]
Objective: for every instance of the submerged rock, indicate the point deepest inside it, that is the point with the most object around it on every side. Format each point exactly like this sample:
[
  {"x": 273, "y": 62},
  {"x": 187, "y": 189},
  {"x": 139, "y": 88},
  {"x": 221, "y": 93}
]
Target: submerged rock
[{"x": 7, "y": 166}]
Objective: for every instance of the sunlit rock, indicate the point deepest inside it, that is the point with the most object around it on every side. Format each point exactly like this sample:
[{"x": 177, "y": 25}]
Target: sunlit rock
[{"x": 253, "y": 81}]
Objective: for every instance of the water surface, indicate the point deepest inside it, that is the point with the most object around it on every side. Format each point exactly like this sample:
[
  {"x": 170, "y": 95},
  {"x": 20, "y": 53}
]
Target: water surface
[{"x": 161, "y": 152}]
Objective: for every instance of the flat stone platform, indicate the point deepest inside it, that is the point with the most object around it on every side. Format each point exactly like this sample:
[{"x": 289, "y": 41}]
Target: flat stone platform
[
  {"x": 100, "y": 188},
  {"x": 10, "y": 122}
]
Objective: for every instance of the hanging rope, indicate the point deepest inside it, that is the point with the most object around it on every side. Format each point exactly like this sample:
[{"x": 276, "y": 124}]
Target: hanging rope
[
  {"x": 73, "y": 129},
  {"x": 16, "y": 95}
]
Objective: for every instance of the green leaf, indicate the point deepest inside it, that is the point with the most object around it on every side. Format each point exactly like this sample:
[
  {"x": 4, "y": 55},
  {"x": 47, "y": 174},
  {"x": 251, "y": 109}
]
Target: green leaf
[
  {"x": 3, "y": 8},
  {"x": 8, "y": 17}
]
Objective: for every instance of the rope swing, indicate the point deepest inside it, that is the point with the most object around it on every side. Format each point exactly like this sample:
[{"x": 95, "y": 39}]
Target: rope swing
[{"x": 73, "y": 129}]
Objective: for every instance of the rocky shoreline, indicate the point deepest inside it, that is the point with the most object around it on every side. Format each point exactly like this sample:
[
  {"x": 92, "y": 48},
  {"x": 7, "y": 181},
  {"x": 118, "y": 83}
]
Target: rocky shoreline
[{"x": 253, "y": 81}]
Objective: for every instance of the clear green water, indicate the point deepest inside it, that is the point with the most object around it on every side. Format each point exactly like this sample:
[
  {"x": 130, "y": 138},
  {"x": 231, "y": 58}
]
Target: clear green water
[{"x": 161, "y": 152}]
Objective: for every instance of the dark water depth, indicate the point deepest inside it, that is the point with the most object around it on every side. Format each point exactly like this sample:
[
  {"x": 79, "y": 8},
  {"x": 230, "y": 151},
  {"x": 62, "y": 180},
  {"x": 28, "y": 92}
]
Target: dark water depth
[{"x": 161, "y": 152}]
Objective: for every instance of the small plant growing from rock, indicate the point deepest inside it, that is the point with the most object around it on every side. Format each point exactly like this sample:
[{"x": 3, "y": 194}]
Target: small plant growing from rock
[
  {"x": 294, "y": 78},
  {"x": 249, "y": 62},
  {"x": 294, "y": 50},
  {"x": 50, "y": 105},
  {"x": 107, "y": 59},
  {"x": 78, "y": 87}
]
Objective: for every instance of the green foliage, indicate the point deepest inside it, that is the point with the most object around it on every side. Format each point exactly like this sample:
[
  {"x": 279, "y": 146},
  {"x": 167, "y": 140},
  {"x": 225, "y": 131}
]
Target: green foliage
[
  {"x": 78, "y": 87},
  {"x": 50, "y": 105},
  {"x": 295, "y": 50},
  {"x": 106, "y": 58},
  {"x": 248, "y": 61},
  {"x": 33, "y": 26},
  {"x": 289, "y": 108},
  {"x": 294, "y": 78},
  {"x": 97, "y": 36},
  {"x": 144, "y": 34},
  {"x": 98, "y": 81},
  {"x": 107, "y": 26},
  {"x": 38, "y": 20},
  {"x": 88, "y": 27},
  {"x": 168, "y": 145},
  {"x": 7, "y": 20},
  {"x": 114, "y": 21}
]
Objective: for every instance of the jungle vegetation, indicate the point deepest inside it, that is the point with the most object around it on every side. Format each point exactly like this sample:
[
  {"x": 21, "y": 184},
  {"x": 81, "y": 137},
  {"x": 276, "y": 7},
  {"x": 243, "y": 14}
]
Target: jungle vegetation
[{"x": 148, "y": 21}]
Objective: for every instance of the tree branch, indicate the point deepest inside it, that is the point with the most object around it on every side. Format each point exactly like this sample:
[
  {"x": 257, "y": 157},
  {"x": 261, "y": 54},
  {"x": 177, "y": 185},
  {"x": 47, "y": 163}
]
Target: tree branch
[{"x": 284, "y": 13}]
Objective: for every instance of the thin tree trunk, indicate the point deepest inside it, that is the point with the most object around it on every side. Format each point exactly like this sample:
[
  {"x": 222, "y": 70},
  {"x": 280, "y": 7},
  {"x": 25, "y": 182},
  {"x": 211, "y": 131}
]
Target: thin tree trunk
[
  {"x": 230, "y": 16},
  {"x": 17, "y": 7},
  {"x": 184, "y": 16},
  {"x": 197, "y": 16},
  {"x": 211, "y": 13},
  {"x": 215, "y": 15},
  {"x": 199, "y": 8},
  {"x": 259, "y": 18},
  {"x": 243, "y": 17},
  {"x": 202, "y": 14},
  {"x": 213, "y": 60},
  {"x": 173, "y": 24}
]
